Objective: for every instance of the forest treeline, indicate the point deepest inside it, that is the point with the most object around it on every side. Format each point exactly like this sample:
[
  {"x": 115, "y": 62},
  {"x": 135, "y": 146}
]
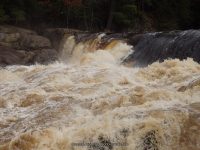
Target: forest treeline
[{"x": 110, "y": 15}]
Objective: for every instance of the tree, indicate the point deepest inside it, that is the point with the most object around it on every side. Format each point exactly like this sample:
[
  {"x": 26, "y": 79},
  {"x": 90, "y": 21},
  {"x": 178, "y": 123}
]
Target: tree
[
  {"x": 110, "y": 16},
  {"x": 72, "y": 2}
]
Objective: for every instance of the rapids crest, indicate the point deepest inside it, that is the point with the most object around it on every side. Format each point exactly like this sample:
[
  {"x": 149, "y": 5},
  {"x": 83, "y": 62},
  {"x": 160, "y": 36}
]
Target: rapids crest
[{"x": 90, "y": 97}]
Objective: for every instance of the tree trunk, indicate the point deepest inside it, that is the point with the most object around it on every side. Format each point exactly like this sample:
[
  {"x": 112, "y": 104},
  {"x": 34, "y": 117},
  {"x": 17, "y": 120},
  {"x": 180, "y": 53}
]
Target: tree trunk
[
  {"x": 85, "y": 18},
  {"x": 68, "y": 16},
  {"x": 110, "y": 17}
]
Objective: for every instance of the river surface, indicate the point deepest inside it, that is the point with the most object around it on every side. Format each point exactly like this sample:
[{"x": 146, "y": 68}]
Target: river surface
[{"x": 89, "y": 100}]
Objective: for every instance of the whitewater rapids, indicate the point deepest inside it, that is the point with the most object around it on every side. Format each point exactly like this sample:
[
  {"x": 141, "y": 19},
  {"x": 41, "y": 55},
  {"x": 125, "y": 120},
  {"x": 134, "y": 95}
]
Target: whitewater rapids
[{"x": 90, "y": 101}]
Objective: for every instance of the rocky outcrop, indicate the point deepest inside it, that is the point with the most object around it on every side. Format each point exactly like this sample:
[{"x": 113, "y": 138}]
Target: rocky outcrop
[
  {"x": 11, "y": 56},
  {"x": 45, "y": 56},
  {"x": 32, "y": 42},
  {"x": 56, "y": 35},
  {"x": 22, "y": 46},
  {"x": 158, "y": 46}
]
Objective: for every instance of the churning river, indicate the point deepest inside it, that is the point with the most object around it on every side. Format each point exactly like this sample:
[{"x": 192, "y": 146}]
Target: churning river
[{"x": 91, "y": 100}]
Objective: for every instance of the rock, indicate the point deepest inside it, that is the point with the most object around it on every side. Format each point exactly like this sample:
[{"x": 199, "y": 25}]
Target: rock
[
  {"x": 9, "y": 56},
  {"x": 25, "y": 47},
  {"x": 45, "y": 56},
  {"x": 7, "y": 29},
  {"x": 33, "y": 42},
  {"x": 134, "y": 40},
  {"x": 158, "y": 46},
  {"x": 19, "y": 38},
  {"x": 9, "y": 37}
]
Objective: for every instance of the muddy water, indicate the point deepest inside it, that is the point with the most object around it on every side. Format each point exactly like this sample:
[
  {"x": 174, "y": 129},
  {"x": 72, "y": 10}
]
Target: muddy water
[{"x": 89, "y": 101}]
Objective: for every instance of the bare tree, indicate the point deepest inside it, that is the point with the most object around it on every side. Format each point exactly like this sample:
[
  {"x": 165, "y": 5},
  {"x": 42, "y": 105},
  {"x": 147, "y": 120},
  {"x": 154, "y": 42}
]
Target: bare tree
[{"x": 110, "y": 17}]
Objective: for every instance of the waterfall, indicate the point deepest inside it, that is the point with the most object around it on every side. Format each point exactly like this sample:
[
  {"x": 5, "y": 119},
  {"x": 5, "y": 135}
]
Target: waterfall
[{"x": 90, "y": 100}]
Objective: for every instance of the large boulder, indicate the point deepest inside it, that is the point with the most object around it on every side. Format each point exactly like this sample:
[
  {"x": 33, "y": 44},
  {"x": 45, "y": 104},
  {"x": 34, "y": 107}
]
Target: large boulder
[
  {"x": 22, "y": 46},
  {"x": 45, "y": 56},
  {"x": 19, "y": 38},
  {"x": 9, "y": 56},
  {"x": 158, "y": 46},
  {"x": 33, "y": 42}
]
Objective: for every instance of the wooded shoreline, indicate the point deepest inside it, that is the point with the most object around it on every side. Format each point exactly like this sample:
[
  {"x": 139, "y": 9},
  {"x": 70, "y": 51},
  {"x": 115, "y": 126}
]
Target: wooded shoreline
[{"x": 102, "y": 15}]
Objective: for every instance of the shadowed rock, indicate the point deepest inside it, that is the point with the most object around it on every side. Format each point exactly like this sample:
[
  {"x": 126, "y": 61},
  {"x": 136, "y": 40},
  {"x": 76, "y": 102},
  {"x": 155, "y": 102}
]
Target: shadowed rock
[
  {"x": 22, "y": 46},
  {"x": 45, "y": 56},
  {"x": 159, "y": 46},
  {"x": 19, "y": 38},
  {"x": 9, "y": 56}
]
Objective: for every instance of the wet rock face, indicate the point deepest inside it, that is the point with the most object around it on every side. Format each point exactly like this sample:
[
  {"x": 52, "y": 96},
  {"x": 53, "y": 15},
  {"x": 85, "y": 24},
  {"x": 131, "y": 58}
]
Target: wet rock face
[
  {"x": 11, "y": 56},
  {"x": 22, "y": 46},
  {"x": 45, "y": 56},
  {"x": 30, "y": 42},
  {"x": 13, "y": 36},
  {"x": 19, "y": 38},
  {"x": 159, "y": 46},
  {"x": 148, "y": 48}
]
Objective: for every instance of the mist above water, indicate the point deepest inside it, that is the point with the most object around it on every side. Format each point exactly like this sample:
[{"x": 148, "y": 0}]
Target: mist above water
[{"x": 89, "y": 96}]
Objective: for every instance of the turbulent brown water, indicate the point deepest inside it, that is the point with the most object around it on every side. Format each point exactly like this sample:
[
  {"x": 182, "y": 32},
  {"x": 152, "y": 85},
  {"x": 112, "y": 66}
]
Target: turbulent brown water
[{"x": 90, "y": 101}]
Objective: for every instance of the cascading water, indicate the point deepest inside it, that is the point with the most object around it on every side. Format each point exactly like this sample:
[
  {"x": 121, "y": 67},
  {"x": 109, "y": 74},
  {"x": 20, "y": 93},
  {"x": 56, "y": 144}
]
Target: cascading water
[
  {"x": 90, "y": 101},
  {"x": 93, "y": 50}
]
